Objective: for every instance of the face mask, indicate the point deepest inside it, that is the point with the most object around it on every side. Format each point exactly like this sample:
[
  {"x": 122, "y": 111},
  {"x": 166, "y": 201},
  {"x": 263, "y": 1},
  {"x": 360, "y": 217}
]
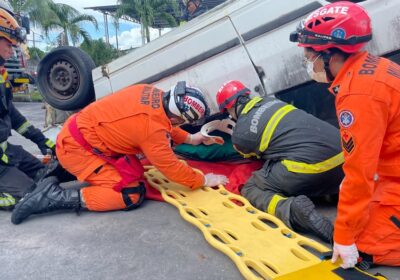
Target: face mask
[{"x": 319, "y": 77}]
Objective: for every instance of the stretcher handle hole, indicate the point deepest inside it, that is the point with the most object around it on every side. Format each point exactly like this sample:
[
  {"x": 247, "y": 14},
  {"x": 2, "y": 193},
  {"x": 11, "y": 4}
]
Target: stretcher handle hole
[
  {"x": 251, "y": 210},
  {"x": 311, "y": 249},
  {"x": 183, "y": 194},
  {"x": 257, "y": 271},
  {"x": 270, "y": 267},
  {"x": 268, "y": 222},
  {"x": 238, "y": 202},
  {"x": 219, "y": 237},
  {"x": 192, "y": 213},
  {"x": 182, "y": 203},
  {"x": 288, "y": 233},
  {"x": 227, "y": 204},
  {"x": 259, "y": 226},
  {"x": 203, "y": 211},
  {"x": 299, "y": 255},
  {"x": 156, "y": 181},
  {"x": 237, "y": 251},
  {"x": 231, "y": 234},
  {"x": 173, "y": 194},
  {"x": 205, "y": 223},
  {"x": 223, "y": 192}
]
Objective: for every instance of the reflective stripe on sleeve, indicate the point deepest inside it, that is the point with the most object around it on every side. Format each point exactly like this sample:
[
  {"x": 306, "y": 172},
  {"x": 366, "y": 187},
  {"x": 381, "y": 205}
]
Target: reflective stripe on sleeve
[
  {"x": 272, "y": 124},
  {"x": 4, "y": 157},
  {"x": 24, "y": 127},
  {"x": 320, "y": 167},
  {"x": 273, "y": 203}
]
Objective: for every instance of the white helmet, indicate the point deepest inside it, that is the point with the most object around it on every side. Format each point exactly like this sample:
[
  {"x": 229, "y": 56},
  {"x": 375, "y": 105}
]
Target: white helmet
[{"x": 188, "y": 103}]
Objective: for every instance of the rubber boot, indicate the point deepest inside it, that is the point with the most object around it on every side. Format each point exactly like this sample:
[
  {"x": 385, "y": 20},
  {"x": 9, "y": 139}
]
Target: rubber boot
[
  {"x": 48, "y": 196},
  {"x": 304, "y": 218}
]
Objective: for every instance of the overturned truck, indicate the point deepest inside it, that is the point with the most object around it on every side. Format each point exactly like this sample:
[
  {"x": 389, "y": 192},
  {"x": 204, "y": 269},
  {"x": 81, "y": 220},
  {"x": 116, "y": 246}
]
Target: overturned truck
[{"x": 246, "y": 40}]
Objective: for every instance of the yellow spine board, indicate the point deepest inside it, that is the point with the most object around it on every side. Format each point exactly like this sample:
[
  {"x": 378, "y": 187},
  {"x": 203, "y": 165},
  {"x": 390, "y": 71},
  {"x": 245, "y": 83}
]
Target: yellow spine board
[{"x": 260, "y": 245}]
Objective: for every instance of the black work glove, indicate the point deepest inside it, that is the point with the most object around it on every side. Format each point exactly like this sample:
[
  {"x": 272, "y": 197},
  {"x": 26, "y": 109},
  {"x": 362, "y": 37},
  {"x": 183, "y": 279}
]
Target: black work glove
[{"x": 47, "y": 145}]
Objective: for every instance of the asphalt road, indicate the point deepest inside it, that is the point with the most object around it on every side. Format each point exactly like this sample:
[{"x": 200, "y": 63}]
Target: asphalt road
[{"x": 152, "y": 242}]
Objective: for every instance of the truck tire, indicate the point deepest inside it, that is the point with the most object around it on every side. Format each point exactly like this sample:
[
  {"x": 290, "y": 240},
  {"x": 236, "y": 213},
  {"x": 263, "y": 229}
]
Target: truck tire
[{"x": 65, "y": 78}]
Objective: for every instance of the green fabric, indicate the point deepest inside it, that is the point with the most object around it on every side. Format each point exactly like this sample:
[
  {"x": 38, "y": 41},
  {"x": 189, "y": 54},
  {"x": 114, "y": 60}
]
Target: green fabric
[{"x": 211, "y": 153}]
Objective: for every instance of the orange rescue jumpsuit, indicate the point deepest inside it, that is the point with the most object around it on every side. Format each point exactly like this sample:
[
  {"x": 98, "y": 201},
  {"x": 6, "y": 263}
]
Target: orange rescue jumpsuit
[
  {"x": 129, "y": 122},
  {"x": 367, "y": 92}
]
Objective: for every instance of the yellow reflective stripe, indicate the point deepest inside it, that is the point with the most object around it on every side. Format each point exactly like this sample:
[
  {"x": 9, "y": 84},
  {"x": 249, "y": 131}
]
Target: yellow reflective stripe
[
  {"x": 248, "y": 155},
  {"x": 49, "y": 143},
  {"x": 251, "y": 104},
  {"x": 4, "y": 76},
  {"x": 272, "y": 124},
  {"x": 7, "y": 200},
  {"x": 273, "y": 203},
  {"x": 24, "y": 127},
  {"x": 306, "y": 168},
  {"x": 4, "y": 157},
  {"x": 3, "y": 146},
  {"x": 21, "y": 80}
]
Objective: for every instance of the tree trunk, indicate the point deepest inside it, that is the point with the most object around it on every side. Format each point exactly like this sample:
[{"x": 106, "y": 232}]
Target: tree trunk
[
  {"x": 147, "y": 34},
  {"x": 66, "y": 42},
  {"x": 142, "y": 32}
]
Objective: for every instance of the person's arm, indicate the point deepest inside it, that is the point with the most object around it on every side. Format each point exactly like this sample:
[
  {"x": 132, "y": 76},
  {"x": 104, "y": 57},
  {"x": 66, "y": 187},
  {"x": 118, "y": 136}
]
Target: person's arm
[
  {"x": 180, "y": 136},
  {"x": 363, "y": 122},
  {"x": 158, "y": 151},
  {"x": 25, "y": 128}
]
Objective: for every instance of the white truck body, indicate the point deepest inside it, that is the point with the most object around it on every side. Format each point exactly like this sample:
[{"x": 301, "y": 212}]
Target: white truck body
[{"x": 246, "y": 40}]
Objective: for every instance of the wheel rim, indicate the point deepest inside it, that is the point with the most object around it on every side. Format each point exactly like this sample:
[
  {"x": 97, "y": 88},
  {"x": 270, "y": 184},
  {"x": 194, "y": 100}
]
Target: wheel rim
[{"x": 63, "y": 79}]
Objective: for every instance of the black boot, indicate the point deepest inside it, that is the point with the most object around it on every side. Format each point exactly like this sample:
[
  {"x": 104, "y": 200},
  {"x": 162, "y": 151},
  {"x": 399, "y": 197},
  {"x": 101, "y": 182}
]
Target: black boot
[
  {"x": 54, "y": 168},
  {"x": 48, "y": 196},
  {"x": 304, "y": 218}
]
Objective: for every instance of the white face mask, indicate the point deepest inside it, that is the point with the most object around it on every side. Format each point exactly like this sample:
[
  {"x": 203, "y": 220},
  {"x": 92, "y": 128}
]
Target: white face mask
[{"x": 319, "y": 77}]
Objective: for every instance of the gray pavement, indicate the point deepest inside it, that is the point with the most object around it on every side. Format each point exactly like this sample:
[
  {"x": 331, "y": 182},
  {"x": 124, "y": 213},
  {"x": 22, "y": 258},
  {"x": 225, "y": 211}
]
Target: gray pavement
[{"x": 152, "y": 242}]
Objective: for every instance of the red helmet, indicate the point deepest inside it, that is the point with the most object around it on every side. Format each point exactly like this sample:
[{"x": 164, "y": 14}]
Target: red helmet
[
  {"x": 343, "y": 25},
  {"x": 229, "y": 92}
]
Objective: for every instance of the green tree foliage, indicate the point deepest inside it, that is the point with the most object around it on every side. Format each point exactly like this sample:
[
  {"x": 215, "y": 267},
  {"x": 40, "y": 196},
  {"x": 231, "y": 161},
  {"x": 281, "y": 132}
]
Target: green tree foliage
[
  {"x": 37, "y": 10},
  {"x": 101, "y": 52},
  {"x": 36, "y": 53},
  {"x": 68, "y": 19},
  {"x": 146, "y": 11}
]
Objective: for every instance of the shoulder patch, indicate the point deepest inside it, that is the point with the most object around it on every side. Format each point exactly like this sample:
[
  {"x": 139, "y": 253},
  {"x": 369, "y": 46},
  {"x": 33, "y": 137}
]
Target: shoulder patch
[
  {"x": 346, "y": 118},
  {"x": 347, "y": 141}
]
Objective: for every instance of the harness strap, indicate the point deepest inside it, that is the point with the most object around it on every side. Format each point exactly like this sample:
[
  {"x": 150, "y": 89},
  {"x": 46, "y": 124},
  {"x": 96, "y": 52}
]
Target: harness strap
[
  {"x": 127, "y": 166},
  {"x": 141, "y": 190}
]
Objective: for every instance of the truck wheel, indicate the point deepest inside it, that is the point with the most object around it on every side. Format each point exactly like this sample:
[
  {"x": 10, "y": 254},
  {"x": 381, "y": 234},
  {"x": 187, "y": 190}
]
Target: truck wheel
[{"x": 65, "y": 78}]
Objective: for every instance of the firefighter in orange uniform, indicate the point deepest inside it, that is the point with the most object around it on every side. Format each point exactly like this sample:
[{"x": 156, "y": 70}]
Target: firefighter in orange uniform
[
  {"x": 99, "y": 145},
  {"x": 367, "y": 90}
]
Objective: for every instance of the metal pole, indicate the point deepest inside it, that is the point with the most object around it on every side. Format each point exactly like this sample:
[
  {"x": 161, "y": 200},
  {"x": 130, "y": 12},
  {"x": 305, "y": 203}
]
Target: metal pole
[
  {"x": 116, "y": 35},
  {"x": 106, "y": 28}
]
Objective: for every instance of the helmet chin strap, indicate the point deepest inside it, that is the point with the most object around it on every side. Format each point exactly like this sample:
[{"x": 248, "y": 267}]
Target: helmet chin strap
[
  {"x": 165, "y": 100},
  {"x": 326, "y": 57}
]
